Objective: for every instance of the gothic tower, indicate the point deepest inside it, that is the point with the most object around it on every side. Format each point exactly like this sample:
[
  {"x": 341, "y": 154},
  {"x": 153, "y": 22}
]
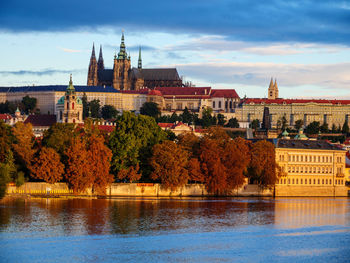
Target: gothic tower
[
  {"x": 276, "y": 89},
  {"x": 122, "y": 68},
  {"x": 100, "y": 63},
  {"x": 273, "y": 90},
  {"x": 139, "y": 64},
  {"x": 92, "y": 73}
]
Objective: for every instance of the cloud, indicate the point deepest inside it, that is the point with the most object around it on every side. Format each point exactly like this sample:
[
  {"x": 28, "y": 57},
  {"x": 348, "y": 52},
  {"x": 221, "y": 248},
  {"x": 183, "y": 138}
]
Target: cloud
[
  {"x": 328, "y": 76},
  {"x": 69, "y": 50},
  {"x": 43, "y": 72},
  {"x": 311, "y": 21}
]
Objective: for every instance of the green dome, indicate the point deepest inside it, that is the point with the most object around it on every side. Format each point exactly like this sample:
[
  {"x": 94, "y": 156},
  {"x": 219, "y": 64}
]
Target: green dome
[
  {"x": 79, "y": 101},
  {"x": 61, "y": 100},
  {"x": 285, "y": 133}
]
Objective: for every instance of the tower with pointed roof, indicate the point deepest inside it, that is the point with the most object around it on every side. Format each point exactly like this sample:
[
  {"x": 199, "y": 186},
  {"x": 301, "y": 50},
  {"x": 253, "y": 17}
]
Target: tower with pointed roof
[
  {"x": 273, "y": 90},
  {"x": 139, "y": 64},
  {"x": 69, "y": 107},
  {"x": 121, "y": 68},
  {"x": 92, "y": 73},
  {"x": 100, "y": 63}
]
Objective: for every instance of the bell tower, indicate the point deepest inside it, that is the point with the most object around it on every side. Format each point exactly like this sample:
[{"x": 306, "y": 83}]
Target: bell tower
[
  {"x": 122, "y": 68},
  {"x": 72, "y": 112},
  {"x": 92, "y": 73}
]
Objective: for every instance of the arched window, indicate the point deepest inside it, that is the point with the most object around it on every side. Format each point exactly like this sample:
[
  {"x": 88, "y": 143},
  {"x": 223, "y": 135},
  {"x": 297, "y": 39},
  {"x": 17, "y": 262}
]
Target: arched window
[
  {"x": 72, "y": 105},
  {"x": 67, "y": 106}
]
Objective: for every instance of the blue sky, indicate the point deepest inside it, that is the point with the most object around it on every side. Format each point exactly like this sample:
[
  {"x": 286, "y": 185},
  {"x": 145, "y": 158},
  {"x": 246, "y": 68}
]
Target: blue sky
[{"x": 237, "y": 44}]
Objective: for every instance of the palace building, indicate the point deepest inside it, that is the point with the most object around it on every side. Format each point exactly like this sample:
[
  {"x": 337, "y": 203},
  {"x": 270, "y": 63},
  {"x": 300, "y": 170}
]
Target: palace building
[
  {"x": 123, "y": 77},
  {"x": 310, "y": 168}
]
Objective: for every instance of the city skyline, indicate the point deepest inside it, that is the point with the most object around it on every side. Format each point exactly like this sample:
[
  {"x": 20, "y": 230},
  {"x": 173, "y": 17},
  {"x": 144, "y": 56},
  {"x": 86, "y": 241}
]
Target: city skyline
[{"x": 233, "y": 44}]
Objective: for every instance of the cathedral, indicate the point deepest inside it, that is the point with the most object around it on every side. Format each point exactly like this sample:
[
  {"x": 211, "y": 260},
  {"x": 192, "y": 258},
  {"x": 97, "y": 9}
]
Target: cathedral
[{"x": 123, "y": 77}]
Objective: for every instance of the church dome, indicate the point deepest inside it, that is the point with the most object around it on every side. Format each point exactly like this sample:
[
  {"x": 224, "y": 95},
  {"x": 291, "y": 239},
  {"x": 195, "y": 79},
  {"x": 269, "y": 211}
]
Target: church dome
[{"x": 61, "y": 100}]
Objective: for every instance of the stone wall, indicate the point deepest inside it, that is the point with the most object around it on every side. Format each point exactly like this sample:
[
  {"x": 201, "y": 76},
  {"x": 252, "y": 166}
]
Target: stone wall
[{"x": 291, "y": 190}]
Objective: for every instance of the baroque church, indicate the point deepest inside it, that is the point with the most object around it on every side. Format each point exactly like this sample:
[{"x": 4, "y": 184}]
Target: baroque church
[{"x": 123, "y": 77}]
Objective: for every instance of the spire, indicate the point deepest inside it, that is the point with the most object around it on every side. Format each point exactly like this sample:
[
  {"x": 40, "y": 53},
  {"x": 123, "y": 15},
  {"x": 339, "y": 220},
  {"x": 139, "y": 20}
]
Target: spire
[
  {"x": 122, "y": 53},
  {"x": 93, "y": 51},
  {"x": 70, "y": 88},
  {"x": 271, "y": 83},
  {"x": 275, "y": 85},
  {"x": 100, "y": 63},
  {"x": 139, "y": 66}
]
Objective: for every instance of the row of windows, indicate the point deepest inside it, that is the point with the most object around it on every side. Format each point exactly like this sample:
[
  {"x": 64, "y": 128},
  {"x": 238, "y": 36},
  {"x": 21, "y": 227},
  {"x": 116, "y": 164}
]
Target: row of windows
[
  {"x": 310, "y": 169},
  {"x": 226, "y": 104},
  {"x": 309, "y": 158},
  {"x": 310, "y": 181}
]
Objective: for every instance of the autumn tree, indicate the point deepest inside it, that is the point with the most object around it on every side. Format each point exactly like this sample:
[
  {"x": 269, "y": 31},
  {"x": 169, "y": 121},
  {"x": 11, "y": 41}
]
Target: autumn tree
[
  {"x": 169, "y": 162},
  {"x": 190, "y": 143},
  {"x": 47, "y": 166},
  {"x": 263, "y": 167},
  {"x": 78, "y": 169},
  {"x": 99, "y": 156},
  {"x": 131, "y": 173},
  {"x": 195, "y": 173},
  {"x": 24, "y": 144}
]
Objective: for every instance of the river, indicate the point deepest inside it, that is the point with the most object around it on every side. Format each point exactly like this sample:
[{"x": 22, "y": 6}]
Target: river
[{"x": 175, "y": 230}]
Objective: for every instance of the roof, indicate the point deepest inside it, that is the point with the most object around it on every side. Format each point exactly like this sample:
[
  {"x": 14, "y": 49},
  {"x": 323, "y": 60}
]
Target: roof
[
  {"x": 61, "y": 100},
  {"x": 306, "y": 144},
  {"x": 157, "y": 73},
  {"x": 41, "y": 120},
  {"x": 61, "y": 88},
  {"x": 224, "y": 93},
  {"x": 184, "y": 91},
  {"x": 294, "y": 101},
  {"x": 105, "y": 75},
  {"x": 5, "y": 117},
  {"x": 165, "y": 125}
]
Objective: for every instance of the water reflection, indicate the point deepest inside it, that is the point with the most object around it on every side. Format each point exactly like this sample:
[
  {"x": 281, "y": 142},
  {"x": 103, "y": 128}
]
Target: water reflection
[{"x": 55, "y": 217}]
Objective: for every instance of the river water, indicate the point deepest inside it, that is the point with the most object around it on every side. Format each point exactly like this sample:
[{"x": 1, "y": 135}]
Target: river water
[{"x": 175, "y": 230}]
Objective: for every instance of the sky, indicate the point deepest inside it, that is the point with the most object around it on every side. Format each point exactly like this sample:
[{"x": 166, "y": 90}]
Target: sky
[{"x": 238, "y": 44}]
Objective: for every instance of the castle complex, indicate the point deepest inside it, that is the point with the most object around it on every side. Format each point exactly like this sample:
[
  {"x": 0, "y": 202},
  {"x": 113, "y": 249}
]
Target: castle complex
[{"x": 123, "y": 77}]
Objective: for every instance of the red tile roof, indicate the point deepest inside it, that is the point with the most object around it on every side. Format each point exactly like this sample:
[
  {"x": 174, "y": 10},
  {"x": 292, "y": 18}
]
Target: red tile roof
[
  {"x": 224, "y": 93},
  {"x": 165, "y": 125},
  {"x": 5, "y": 117},
  {"x": 184, "y": 91},
  {"x": 41, "y": 120},
  {"x": 294, "y": 101}
]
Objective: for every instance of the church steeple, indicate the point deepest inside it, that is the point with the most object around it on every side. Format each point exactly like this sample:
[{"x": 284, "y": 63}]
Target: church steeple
[
  {"x": 92, "y": 73},
  {"x": 100, "y": 63},
  {"x": 139, "y": 65},
  {"x": 276, "y": 89},
  {"x": 122, "y": 52}
]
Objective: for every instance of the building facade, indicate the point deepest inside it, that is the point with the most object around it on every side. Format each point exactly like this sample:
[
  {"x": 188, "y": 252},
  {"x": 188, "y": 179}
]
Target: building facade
[
  {"x": 123, "y": 77},
  {"x": 310, "y": 168}
]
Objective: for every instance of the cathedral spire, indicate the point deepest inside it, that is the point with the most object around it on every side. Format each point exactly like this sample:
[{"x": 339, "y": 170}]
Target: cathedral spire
[
  {"x": 139, "y": 65},
  {"x": 100, "y": 63},
  {"x": 93, "y": 51},
  {"x": 122, "y": 53},
  {"x": 271, "y": 83}
]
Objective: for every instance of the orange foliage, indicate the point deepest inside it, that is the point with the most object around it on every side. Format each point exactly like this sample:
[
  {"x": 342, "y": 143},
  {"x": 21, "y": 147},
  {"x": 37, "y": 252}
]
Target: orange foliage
[
  {"x": 130, "y": 173},
  {"x": 99, "y": 156},
  {"x": 194, "y": 170},
  {"x": 169, "y": 162},
  {"x": 189, "y": 142},
  {"x": 24, "y": 142},
  {"x": 263, "y": 166},
  {"x": 79, "y": 174},
  {"x": 47, "y": 166}
]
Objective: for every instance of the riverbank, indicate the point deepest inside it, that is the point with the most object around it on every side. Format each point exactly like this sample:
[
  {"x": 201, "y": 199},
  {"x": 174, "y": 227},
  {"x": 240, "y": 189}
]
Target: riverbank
[{"x": 189, "y": 190}]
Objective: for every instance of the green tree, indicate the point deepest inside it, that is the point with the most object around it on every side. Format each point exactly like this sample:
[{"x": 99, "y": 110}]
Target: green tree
[
  {"x": 187, "y": 116},
  {"x": 313, "y": 128},
  {"x": 94, "y": 107},
  {"x": 284, "y": 123},
  {"x": 334, "y": 128},
  {"x": 59, "y": 137},
  {"x": 345, "y": 128},
  {"x": 207, "y": 118},
  {"x": 174, "y": 118},
  {"x": 221, "y": 119},
  {"x": 298, "y": 124},
  {"x": 255, "y": 124},
  {"x": 29, "y": 104},
  {"x": 132, "y": 141},
  {"x": 85, "y": 106},
  {"x": 150, "y": 109},
  {"x": 324, "y": 127},
  {"x": 232, "y": 123},
  {"x": 109, "y": 112}
]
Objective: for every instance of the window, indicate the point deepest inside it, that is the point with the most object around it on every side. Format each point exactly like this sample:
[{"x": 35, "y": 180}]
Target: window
[
  {"x": 219, "y": 104},
  {"x": 297, "y": 181},
  {"x": 318, "y": 181},
  {"x": 213, "y": 104},
  {"x": 314, "y": 181},
  {"x": 179, "y": 106},
  {"x": 309, "y": 181},
  {"x": 72, "y": 105},
  {"x": 330, "y": 181},
  {"x": 322, "y": 181},
  {"x": 301, "y": 181},
  {"x": 60, "y": 115}
]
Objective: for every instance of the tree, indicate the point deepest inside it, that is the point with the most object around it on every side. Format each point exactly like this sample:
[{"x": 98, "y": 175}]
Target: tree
[
  {"x": 59, "y": 137},
  {"x": 169, "y": 162},
  {"x": 94, "y": 107},
  {"x": 29, "y": 104},
  {"x": 85, "y": 106},
  {"x": 109, "y": 112},
  {"x": 132, "y": 173},
  {"x": 255, "y": 124},
  {"x": 187, "y": 116},
  {"x": 324, "y": 127},
  {"x": 174, "y": 118},
  {"x": 190, "y": 143},
  {"x": 263, "y": 167},
  {"x": 345, "y": 128},
  {"x": 334, "y": 128},
  {"x": 232, "y": 123},
  {"x": 150, "y": 109},
  {"x": 194, "y": 170},
  {"x": 313, "y": 128},
  {"x": 207, "y": 118},
  {"x": 284, "y": 122},
  {"x": 24, "y": 144},
  {"x": 78, "y": 170},
  {"x": 298, "y": 124},
  {"x": 221, "y": 119},
  {"x": 47, "y": 166},
  {"x": 99, "y": 156},
  {"x": 132, "y": 141}
]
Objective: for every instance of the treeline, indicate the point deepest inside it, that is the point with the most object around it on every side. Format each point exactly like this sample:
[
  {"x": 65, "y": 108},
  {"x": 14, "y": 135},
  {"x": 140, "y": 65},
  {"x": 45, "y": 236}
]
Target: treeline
[{"x": 136, "y": 151}]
